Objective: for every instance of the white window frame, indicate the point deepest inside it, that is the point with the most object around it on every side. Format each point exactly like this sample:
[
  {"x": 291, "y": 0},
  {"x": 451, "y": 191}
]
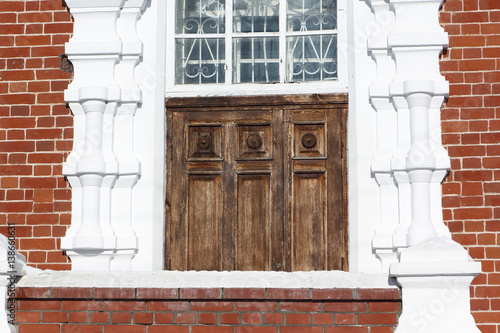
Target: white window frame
[{"x": 238, "y": 89}]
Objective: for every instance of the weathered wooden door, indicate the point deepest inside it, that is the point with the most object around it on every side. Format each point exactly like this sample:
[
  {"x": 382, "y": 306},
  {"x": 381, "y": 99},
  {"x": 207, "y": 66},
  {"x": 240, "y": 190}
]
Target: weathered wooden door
[{"x": 253, "y": 186}]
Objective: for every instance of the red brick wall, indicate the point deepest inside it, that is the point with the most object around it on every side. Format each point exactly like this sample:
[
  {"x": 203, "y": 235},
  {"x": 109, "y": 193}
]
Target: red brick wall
[
  {"x": 89, "y": 310},
  {"x": 36, "y": 133},
  {"x": 471, "y": 134},
  {"x": 35, "y": 128}
]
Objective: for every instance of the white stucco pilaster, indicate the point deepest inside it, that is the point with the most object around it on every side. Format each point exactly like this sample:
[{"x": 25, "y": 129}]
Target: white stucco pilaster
[
  {"x": 434, "y": 272},
  {"x": 102, "y": 168}
]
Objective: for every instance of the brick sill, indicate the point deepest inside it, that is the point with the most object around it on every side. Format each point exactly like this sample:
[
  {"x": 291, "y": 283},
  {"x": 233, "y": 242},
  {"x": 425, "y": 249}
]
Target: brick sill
[{"x": 208, "y": 285}]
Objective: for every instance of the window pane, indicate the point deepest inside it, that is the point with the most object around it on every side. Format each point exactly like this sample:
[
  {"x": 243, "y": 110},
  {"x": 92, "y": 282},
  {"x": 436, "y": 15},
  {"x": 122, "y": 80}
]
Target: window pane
[
  {"x": 200, "y": 16},
  {"x": 199, "y": 60},
  {"x": 309, "y": 15},
  {"x": 256, "y": 15},
  {"x": 312, "y": 58},
  {"x": 256, "y": 60}
]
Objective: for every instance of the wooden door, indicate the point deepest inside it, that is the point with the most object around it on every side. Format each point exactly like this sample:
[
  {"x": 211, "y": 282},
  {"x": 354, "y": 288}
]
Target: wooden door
[{"x": 254, "y": 187}]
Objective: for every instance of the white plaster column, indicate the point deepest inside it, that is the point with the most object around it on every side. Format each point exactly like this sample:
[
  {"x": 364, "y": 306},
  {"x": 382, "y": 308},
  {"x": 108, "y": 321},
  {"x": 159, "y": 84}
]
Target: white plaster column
[
  {"x": 418, "y": 90},
  {"x": 380, "y": 100},
  {"x": 129, "y": 167},
  {"x": 434, "y": 272},
  {"x": 93, "y": 97}
]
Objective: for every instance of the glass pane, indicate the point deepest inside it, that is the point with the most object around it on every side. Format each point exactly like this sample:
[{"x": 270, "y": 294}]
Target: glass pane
[
  {"x": 199, "y": 60},
  {"x": 309, "y": 15},
  {"x": 200, "y": 16},
  {"x": 312, "y": 58},
  {"x": 256, "y": 60},
  {"x": 256, "y": 15}
]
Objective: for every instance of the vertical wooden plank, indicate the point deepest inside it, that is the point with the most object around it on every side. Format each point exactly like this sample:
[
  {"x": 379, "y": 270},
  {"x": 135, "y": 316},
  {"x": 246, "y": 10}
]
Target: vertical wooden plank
[
  {"x": 277, "y": 237},
  {"x": 205, "y": 222},
  {"x": 335, "y": 242},
  {"x": 228, "y": 193},
  {"x": 288, "y": 198},
  {"x": 253, "y": 248},
  {"x": 308, "y": 225},
  {"x": 168, "y": 195},
  {"x": 178, "y": 188}
]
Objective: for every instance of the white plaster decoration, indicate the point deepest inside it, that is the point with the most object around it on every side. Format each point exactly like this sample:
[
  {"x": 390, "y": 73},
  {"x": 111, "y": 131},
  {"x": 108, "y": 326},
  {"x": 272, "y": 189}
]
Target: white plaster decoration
[
  {"x": 434, "y": 272},
  {"x": 102, "y": 167},
  {"x": 386, "y": 132},
  {"x": 435, "y": 276},
  {"x": 418, "y": 89},
  {"x": 128, "y": 164},
  {"x": 204, "y": 279},
  {"x": 12, "y": 266}
]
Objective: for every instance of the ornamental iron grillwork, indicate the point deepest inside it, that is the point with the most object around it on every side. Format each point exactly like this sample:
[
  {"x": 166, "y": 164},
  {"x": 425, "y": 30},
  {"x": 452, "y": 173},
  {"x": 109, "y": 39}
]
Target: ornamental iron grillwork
[{"x": 255, "y": 38}]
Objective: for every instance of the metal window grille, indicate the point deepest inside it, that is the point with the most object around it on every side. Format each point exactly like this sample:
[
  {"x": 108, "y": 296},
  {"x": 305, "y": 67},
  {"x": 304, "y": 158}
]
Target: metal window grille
[{"x": 255, "y": 41}]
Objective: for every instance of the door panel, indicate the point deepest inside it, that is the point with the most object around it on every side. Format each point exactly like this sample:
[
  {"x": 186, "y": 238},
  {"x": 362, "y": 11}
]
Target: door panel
[
  {"x": 204, "y": 222},
  {"x": 309, "y": 221},
  {"x": 256, "y": 187},
  {"x": 253, "y": 251}
]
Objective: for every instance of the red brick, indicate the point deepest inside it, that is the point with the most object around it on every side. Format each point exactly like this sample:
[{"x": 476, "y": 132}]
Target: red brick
[
  {"x": 234, "y": 318},
  {"x": 114, "y": 293},
  {"x": 28, "y": 317},
  {"x": 121, "y": 318},
  {"x": 55, "y": 317},
  {"x": 168, "y": 306},
  {"x": 472, "y": 213},
  {"x": 255, "y": 306},
  {"x": 171, "y": 329},
  {"x": 244, "y": 293},
  {"x": 378, "y": 294},
  {"x": 346, "y": 307},
  {"x": 301, "y": 329},
  {"x": 185, "y": 318},
  {"x": 143, "y": 318},
  {"x": 99, "y": 317},
  {"x": 377, "y": 318},
  {"x": 332, "y": 294},
  {"x": 157, "y": 293},
  {"x": 323, "y": 319},
  {"x": 345, "y": 319},
  {"x": 384, "y": 307},
  {"x": 42, "y": 328},
  {"x": 251, "y": 318},
  {"x": 124, "y": 305},
  {"x": 207, "y": 318},
  {"x": 211, "y": 329},
  {"x": 212, "y": 306},
  {"x": 164, "y": 318},
  {"x": 70, "y": 292},
  {"x": 278, "y": 293},
  {"x": 256, "y": 329},
  {"x": 81, "y": 328},
  {"x": 200, "y": 293},
  {"x": 40, "y": 305},
  {"x": 124, "y": 329},
  {"x": 273, "y": 318},
  {"x": 300, "y": 306}
]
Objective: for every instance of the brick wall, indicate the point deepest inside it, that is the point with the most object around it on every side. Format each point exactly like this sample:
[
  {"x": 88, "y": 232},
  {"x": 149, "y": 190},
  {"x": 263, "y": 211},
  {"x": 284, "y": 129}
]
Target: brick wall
[
  {"x": 92, "y": 310},
  {"x": 471, "y": 134},
  {"x": 36, "y": 133},
  {"x": 35, "y": 128}
]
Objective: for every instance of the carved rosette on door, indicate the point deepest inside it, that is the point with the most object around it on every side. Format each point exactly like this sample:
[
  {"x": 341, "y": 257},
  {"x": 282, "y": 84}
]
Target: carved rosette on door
[{"x": 255, "y": 187}]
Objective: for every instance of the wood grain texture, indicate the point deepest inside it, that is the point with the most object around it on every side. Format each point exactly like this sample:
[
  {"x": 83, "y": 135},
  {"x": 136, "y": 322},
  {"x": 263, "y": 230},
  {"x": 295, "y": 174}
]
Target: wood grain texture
[{"x": 256, "y": 183}]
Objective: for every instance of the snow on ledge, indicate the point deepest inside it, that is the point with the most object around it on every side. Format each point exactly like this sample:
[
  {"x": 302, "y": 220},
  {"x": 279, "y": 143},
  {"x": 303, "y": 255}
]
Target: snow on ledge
[{"x": 204, "y": 279}]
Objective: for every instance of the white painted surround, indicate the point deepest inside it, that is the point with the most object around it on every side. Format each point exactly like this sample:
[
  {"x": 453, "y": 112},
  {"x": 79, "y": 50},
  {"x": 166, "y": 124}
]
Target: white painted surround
[{"x": 395, "y": 166}]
